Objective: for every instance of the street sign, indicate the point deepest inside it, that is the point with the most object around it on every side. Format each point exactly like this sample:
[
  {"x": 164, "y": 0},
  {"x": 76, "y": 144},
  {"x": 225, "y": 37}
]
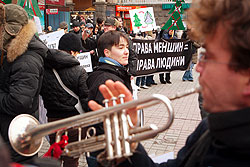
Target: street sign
[{"x": 51, "y": 11}]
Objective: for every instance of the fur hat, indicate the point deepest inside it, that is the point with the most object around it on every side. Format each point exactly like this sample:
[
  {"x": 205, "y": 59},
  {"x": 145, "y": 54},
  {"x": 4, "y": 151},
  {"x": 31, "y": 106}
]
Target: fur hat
[
  {"x": 15, "y": 17},
  {"x": 70, "y": 42},
  {"x": 2, "y": 20}
]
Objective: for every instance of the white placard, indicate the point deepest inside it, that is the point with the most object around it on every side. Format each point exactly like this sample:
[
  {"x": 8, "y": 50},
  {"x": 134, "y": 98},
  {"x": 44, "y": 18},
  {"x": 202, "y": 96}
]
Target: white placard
[
  {"x": 142, "y": 19},
  {"x": 38, "y": 24},
  {"x": 85, "y": 61},
  {"x": 51, "y": 40}
]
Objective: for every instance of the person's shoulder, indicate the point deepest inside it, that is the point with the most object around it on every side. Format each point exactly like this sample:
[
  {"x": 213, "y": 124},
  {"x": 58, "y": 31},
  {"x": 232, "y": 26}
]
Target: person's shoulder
[
  {"x": 96, "y": 78},
  {"x": 200, "y": 130},
  {"x": 106, "y": 71}
]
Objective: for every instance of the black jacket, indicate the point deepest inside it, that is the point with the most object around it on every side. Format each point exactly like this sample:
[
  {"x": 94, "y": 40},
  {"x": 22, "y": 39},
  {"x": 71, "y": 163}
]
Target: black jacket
[
  {"x": 21, "y": 80},
  {"x": 220, "y": 140},
  {"x": 98, "y": 77},
  {"x": 57, "y": 101},
  {"x": 103, "y": 73}
]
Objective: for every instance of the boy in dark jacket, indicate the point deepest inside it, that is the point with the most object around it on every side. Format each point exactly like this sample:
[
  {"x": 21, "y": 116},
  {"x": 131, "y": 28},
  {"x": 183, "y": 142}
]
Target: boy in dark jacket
[
  {"x": 58, "y": 102},
  {"x": 114, "y": 52}
]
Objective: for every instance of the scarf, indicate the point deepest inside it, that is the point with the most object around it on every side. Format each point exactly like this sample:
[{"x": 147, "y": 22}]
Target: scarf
[{"x": 108, "y": 60}]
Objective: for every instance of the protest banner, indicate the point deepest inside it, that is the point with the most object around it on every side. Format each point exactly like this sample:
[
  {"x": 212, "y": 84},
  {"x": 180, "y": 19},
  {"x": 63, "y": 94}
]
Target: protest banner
[
  {"x": 85, "y": 61},
  {"x": 142, "y": 19},
  {"x": 162, "y": 55},
  {"x": 51, "y": 40}
]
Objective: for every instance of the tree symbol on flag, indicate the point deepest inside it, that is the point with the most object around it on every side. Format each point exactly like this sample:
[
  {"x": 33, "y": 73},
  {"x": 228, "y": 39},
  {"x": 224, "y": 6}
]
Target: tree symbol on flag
[
  {"x": 175, "y": 21},
  {"x": 148, "y": 18},
  {"x": 31, "y": 7},
  {"x": 137, "y": 21},
  {"x": 177, "y": 7}
]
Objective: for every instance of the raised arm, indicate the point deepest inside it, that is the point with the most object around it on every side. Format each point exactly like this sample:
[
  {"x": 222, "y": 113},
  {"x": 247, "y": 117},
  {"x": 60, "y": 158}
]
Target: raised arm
[{"x": 114, "y": 89}]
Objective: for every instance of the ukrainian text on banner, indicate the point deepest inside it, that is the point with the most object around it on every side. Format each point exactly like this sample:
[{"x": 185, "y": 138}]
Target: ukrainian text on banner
[
  {"x": 162, "y": 55},
  {"x": 85, "y": 61}
]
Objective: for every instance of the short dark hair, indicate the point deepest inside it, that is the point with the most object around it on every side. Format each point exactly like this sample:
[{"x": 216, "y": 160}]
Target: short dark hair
[
  {"x": 75, "y": 24},
  {"x": 109, "y": 39},
  {"x": 118, "y": 17},
  {"x": 109, "y": 22},
  {"x": 99, "y": 20}
]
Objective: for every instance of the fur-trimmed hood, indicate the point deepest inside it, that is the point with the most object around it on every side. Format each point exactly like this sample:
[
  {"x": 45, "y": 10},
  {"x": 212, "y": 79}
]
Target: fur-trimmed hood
[{"x": 23, "y": 41}]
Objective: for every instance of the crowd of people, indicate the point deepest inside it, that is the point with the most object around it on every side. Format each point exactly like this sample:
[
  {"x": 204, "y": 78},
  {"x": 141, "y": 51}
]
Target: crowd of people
[{"x": 29, "y": 69}]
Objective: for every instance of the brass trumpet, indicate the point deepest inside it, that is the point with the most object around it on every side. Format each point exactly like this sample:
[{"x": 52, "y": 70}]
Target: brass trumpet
[{"x": 26, "y": 135}]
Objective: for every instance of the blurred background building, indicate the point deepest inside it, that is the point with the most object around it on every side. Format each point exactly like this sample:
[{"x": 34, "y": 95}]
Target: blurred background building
[{"x": 56, "y": 11}]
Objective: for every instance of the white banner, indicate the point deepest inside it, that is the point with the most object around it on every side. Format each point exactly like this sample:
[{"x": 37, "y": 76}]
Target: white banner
[
  {"x": 51, "y": 40},
  {"x": 142, "y": 19},
  {"x": 85, "y": 61}
]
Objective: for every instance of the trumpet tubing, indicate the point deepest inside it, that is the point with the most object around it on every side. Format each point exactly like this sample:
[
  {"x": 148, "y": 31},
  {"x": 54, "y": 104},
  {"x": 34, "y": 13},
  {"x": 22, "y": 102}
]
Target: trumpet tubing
[{"x": 26, "y": 134}]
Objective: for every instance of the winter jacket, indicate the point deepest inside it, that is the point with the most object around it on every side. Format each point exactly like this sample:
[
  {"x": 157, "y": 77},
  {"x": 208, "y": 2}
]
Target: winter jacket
[
  {"x": 57, "y": 101},
  {"x": 219, "y": 140},
  {"x": 98, "y": 77},
  {"x": 103, "y": 73},
  {"x": 21, "y": 77}
]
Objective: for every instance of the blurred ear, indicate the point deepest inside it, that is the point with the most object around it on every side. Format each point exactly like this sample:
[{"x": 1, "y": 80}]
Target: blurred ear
[
  {"x": 107, "y": 53},
  {"x": 246, "y": 90}
]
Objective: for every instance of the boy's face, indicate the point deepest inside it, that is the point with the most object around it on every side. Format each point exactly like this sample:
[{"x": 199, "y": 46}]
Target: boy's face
[{"x": 119, "y": 52}]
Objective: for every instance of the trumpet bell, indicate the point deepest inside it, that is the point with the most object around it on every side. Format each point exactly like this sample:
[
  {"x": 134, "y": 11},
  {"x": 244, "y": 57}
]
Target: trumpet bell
[{"x": 20, "y": 142}]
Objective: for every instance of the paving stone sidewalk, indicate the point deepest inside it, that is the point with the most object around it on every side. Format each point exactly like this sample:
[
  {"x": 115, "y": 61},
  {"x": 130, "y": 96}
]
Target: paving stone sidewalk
[{"x": 187, "y": 116}]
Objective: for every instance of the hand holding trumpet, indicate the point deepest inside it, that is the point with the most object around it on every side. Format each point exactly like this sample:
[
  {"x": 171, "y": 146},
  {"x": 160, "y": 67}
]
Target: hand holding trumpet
[{"x": 114, "y": 89}]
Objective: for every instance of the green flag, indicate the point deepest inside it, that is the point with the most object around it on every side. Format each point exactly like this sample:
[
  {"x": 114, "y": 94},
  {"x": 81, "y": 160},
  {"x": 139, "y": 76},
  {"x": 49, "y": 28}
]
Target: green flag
[
  {"x": 177, "y": 7},
  {"x": 174, "y": 23},
  {"x": 179, "y": 0},
  {"x": 31, "y": 7},
  {"x": 5, "y": 1}
]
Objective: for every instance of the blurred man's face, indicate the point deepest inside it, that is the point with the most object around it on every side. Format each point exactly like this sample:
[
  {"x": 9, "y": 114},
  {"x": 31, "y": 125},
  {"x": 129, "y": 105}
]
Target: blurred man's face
[
  {"x": 223, "y": 89},
  {"x": 170, "y": 32},
  {"x": 121, "y": 22},
  {"x": 49, "y": 28},
  {"x": 90, "y": 29},
  {"x": 76, "y": 29},
  {"x": 108, "y": 28},
  {"x": 82, "y": 27}
]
